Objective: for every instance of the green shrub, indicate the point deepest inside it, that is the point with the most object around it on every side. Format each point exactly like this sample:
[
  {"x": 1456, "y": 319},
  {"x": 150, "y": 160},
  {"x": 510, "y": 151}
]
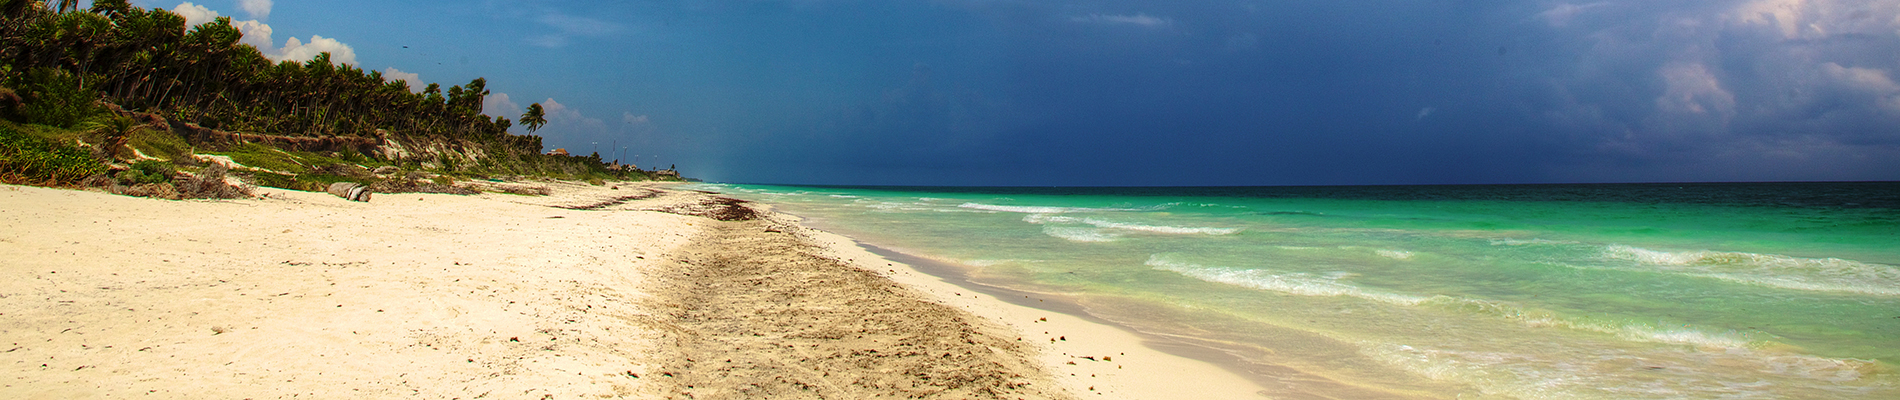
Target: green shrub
[
  {"x": 162, "y": 144},
  {"x": 55, "y": 97},
  {"x": 31, "y": 160},
  {"x": 280, "y": 181},
  {"x": 148, "y": 171},
  {"x": 261, "y": 156}
]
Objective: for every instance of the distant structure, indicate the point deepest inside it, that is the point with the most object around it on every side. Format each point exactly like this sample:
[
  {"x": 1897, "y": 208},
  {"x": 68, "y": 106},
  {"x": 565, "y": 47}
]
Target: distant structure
[{"x": 558, "y": 152}]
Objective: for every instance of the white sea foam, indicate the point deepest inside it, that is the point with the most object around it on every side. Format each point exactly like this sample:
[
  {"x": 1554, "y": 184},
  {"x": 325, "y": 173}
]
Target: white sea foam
[
  {"x": 1631, "y": 331},
  {"x": 1529, "y": 242},
  {"x": 1593, "y": 373},
  {"x": 1394, "y": 254},
  {"x": 844, "y": 196},
  {"x": 1048, "y": 210},
  {"x": 1051, "y": 218},
  {"x": 1295, "y": 283},
  {"x": 1329, "y": 284},
  {"x": 1076, "y": 234},
  {"x": 1812, "y": 274}
]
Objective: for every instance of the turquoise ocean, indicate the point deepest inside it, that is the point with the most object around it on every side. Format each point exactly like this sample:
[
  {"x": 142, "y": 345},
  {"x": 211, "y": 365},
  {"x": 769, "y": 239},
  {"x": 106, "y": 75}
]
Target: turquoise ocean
[{"x": 1618, "y": 291}]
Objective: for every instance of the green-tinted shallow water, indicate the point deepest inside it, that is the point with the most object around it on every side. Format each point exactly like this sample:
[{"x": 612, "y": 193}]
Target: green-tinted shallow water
[{"x": 1544, "y": 291}]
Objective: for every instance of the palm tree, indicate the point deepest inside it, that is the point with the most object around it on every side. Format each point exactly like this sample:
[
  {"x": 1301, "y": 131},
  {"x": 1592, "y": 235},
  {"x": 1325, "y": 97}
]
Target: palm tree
[
  {"x": 534, "y": 118},
  {"x": 110, "y": 134}
]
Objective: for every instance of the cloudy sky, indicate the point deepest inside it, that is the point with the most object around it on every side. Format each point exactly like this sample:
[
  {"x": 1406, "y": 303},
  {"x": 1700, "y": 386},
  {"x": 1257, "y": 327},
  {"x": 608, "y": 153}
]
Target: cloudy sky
[{"x": 1119, "y": 92}]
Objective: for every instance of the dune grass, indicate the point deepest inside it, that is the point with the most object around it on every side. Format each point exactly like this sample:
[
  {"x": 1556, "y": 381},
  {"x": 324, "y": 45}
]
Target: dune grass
[{"x": 33, "y": 160}]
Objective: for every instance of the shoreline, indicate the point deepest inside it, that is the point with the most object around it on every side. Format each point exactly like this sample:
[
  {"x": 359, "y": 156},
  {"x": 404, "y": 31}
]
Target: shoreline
[
  {"x": 1071, "y": 341},
  {"x": 587, "y": 292}
]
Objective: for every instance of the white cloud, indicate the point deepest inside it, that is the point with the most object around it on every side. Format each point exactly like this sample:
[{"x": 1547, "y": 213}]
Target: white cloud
[
  {"x": 500, "y": 105},
  {"x": 571, "y": 120},
  {"x": 1562, "y": 13},
  {"x": 557, "y": 111},
  {"x": 259, "y": 9},
  {"x": 578, "y": 133},
  {"x": 1426, "y": 112},
  {"x": 1143, "y": 20},
  {"x": 256, "y": 34},
  {"x": 569, "y": 25},
  {"x": 1872, "y": 83},
  {"x": 296, "y": 50},
  {"x": 631, "y": 119},
  {"x": 392, "y": 74},
  {"x": 1815, "y": 19},
  {"x": 1692, "y": 89},
  {"x": 194, "y": 14}
]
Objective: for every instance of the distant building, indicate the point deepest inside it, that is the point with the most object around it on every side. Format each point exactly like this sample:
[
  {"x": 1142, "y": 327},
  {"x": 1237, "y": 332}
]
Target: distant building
[{"x": 558, "y": 152}]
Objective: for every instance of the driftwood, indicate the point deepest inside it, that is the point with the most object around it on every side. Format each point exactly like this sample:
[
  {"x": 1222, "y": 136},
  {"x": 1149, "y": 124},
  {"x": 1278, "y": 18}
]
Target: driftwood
[{"x": 350, "y": 190}]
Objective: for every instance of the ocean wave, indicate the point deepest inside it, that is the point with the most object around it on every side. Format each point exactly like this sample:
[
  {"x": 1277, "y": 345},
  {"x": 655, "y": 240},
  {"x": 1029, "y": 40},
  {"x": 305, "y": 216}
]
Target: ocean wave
[
  {"x": 1605, "y": 373},
  {"x": 1047, "y": 210},
  {"x": 1296, "y": 283},
  {"x": 1395, "y": 254},
  {"x": 1048, "y": 218},
  {"x": 1085, "y": 235},
  {"x": 1529, "y": 242},
  {"x": 1778, "y": 271},
  {"x": 1627, "y": 330},
  {"x": 1305, "y": 284}
]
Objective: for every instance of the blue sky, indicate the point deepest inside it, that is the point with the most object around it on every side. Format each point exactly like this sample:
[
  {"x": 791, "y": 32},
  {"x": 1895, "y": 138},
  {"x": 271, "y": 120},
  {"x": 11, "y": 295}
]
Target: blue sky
[{"x": 1055, "y": 92}]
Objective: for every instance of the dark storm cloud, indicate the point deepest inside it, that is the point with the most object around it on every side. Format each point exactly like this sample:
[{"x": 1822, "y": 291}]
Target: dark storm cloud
[
  {"x": 1126, "y": 92},
  {"x": 1776, "y": 89}
]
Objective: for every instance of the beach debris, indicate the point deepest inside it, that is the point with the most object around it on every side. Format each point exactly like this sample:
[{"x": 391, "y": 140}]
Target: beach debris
[
  {"x": 719, "y": 208},
  {"x": 350, "y": 190}
]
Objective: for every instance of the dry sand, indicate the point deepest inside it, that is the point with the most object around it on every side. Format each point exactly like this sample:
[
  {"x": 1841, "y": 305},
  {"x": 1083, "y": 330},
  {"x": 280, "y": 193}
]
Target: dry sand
[{"x": 634, "y": 292}]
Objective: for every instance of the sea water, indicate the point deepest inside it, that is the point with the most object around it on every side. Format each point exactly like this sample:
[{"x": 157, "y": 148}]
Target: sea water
[{"x": 1640, "y": 291}]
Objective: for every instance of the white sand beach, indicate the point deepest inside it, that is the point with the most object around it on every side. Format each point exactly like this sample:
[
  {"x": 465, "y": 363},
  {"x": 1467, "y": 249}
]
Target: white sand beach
[{"x": 299, "y": 294}]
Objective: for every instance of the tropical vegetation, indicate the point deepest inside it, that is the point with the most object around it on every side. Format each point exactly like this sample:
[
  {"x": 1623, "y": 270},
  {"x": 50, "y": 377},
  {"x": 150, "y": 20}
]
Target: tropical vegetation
[{"x": 133, "y": 83}]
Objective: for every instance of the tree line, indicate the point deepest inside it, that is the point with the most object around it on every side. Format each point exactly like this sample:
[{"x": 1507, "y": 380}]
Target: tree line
[{"x": 149, "y": 60}]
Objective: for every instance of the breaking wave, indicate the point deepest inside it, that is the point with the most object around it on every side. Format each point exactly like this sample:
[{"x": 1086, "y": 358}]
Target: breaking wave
[
  {"x": 1395, "y": 254},
  {"x": 1306, "y": 284},
  {"x": 1045, "y": 210},
  {"x": 1047, "y": 218},
  {"x": 1296, "y": 283},
  {"x": 1812, "y": 274},
  {"x": 1085, "y": 235}
]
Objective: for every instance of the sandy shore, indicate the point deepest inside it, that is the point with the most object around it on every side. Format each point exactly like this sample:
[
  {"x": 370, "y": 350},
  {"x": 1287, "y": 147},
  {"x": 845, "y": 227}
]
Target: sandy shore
[{"x": 628, "y": 292}]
